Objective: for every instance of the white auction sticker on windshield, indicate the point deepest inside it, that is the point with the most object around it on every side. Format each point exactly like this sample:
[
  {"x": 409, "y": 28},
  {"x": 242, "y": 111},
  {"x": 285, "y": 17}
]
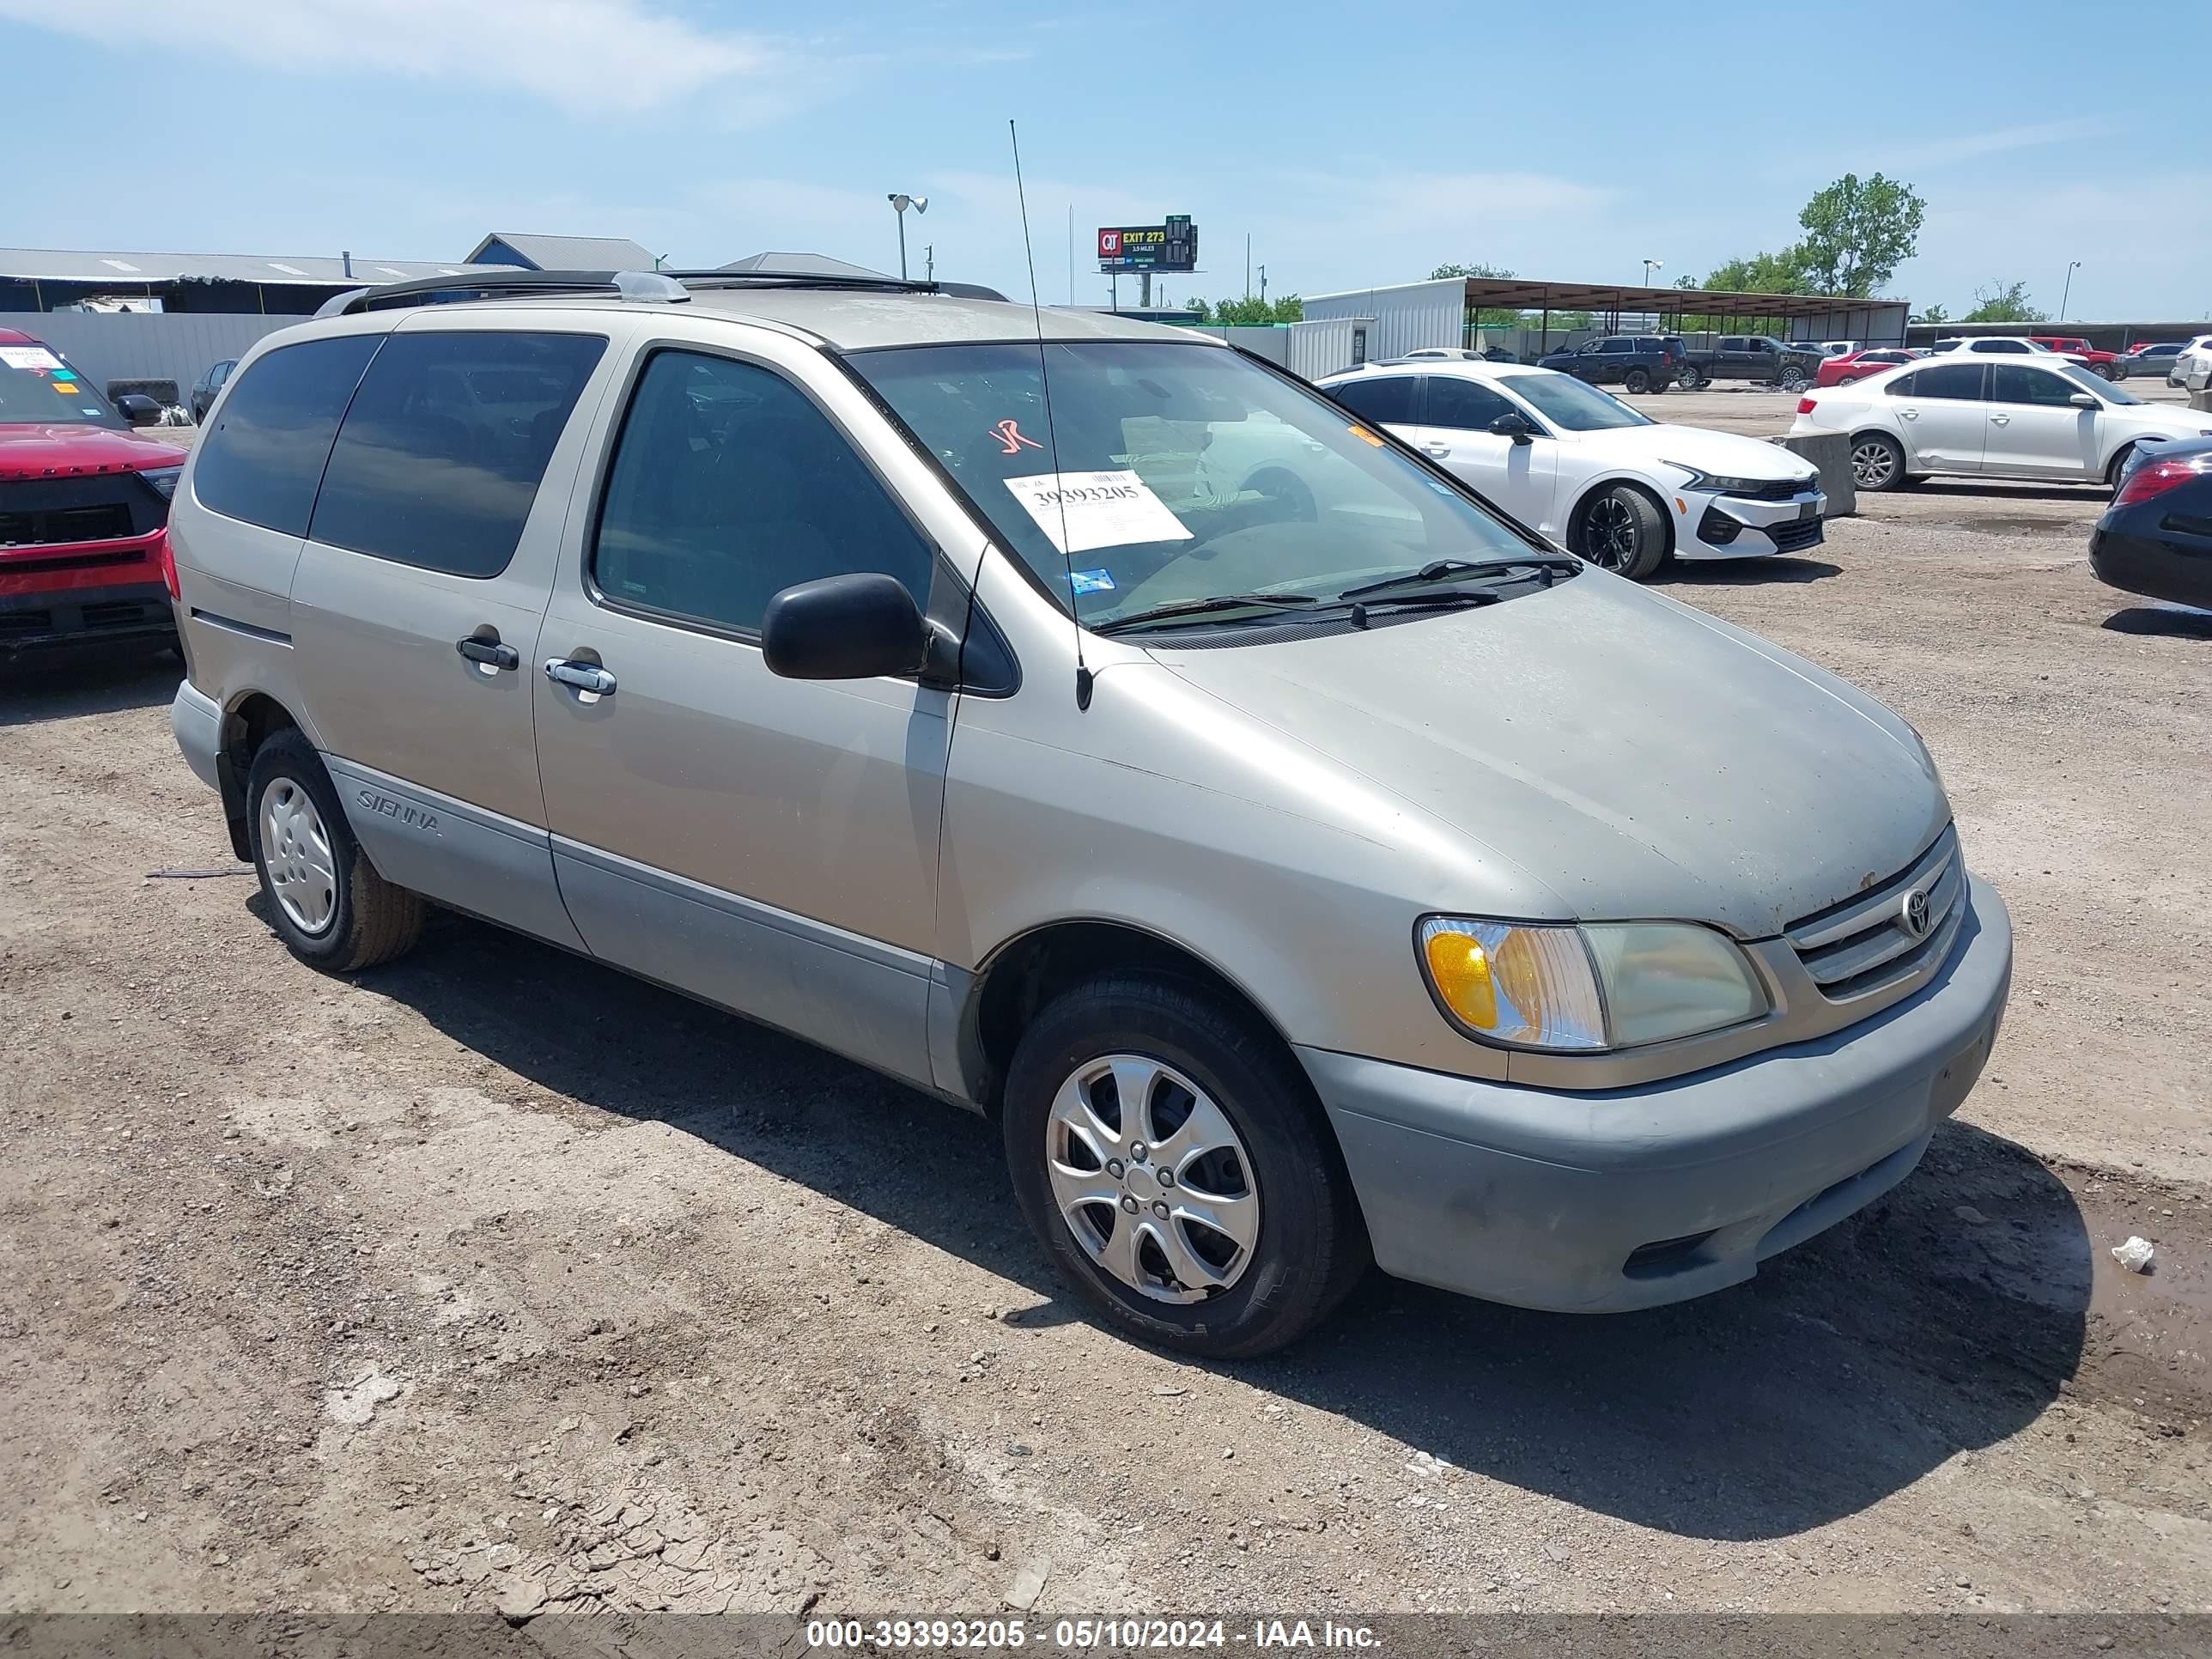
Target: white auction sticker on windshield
[
  {"x": 20, "y": 357},
  {"x": 1082, "y": 510}
]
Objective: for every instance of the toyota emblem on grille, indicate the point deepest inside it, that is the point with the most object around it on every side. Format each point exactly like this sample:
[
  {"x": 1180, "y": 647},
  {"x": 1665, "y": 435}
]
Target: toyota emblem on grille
[{"x": 1913, "y": 915}]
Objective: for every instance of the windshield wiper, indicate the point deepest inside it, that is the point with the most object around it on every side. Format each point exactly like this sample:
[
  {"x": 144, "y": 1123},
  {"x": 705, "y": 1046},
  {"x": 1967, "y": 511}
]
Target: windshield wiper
[
  {"x": 1447, "y": 599},
  {"x": 1440, "y": 568},
  {"x": 1200, "y": 607}
]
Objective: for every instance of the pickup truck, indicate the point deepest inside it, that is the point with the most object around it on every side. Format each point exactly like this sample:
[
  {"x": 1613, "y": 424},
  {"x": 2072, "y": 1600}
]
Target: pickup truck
[
  {"x": 2097, "y": 362},
  {"x": 1751, "y": 357}
]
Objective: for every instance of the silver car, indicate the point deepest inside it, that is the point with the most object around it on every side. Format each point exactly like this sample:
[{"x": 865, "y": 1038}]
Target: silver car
[{"x": 1105, "y": 733}]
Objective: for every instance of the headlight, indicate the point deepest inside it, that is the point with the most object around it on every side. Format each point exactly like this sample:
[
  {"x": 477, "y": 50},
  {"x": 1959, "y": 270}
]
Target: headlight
[
  {"x": 1569, "y": 989},
  {"x": 164, "y": 479},
  {"x": 1721, "y": 484}
]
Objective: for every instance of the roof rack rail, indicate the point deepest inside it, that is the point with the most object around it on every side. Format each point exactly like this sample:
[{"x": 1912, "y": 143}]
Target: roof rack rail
[
  {"x": 668, "y": 286},
  {"x": 641, "y": 285}
]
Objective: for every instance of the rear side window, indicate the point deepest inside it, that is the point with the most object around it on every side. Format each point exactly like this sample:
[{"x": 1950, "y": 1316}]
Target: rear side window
[
  {"x": 1386, "y": 399},
  {"x": 727, "y": 486},
  {"x": 1960, "y": 380},
  {"x": 265, "y": 456},
  {"x": 442, "y": 452}
]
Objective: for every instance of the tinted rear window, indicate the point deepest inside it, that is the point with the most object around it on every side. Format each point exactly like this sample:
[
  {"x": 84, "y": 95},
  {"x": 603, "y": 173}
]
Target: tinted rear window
[
  {"x": 1386, "y": 399},
  {"x": 265, "y": 456},
  {"x": 441, "y": 453}
]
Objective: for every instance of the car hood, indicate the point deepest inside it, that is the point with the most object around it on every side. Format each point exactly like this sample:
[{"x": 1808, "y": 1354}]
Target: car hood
[
  {"x": 1728, "y": 454},
  {"x": 37, "y": 451},
  {"x": 1605, "y": 747}
]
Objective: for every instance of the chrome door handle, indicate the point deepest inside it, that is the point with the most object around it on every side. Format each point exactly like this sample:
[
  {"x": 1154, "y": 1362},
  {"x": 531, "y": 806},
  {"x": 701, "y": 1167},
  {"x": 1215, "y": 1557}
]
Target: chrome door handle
[
  {"x": 1436, "y": 452},
  {"x": 2000, "y": 420},
  {"x": 1909, "y": 414},
  {"x": 587, "y": 678}
]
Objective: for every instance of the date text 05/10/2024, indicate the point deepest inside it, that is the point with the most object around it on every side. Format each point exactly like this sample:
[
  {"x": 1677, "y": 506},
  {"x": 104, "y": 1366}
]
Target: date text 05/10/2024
[{"x": 988, "y": 1635}]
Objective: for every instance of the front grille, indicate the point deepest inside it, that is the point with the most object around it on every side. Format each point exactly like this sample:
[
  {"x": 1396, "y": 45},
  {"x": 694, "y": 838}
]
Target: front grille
[
  {"x": 105, "y": 507},
  {"x": 1862, "y": 944},
  {"x": 1794, "y": 536},
  {"x": 121, "y": 613},
  {"x": 1777, "y": 489},
  {"x": 26, "y": 622}
]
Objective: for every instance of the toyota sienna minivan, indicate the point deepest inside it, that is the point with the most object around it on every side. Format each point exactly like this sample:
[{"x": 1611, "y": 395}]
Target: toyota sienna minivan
[{"x": 1102, "y": 730}]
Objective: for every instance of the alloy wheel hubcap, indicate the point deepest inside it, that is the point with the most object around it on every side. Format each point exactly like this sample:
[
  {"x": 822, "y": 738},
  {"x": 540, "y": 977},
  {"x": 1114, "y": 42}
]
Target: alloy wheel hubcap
[
  {"x": 1613, "y": 538},
  {"x": 1871, "y": 465},
  {"x": 296, "y": 848},
  {"x": 1151, "y": 1178}
]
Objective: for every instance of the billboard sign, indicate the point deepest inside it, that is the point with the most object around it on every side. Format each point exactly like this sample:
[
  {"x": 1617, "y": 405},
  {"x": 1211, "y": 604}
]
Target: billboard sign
[{"x": 1172, "y": 245}]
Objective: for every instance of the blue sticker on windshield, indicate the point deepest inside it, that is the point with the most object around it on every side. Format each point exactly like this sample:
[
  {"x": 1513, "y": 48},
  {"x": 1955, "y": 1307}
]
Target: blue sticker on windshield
[{"x": 1092, "y": 582}]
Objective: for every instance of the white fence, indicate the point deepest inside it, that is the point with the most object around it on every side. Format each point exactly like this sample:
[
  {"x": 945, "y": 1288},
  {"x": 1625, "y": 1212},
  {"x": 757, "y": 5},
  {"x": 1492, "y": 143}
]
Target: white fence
[{"x": 165, "y": 345}]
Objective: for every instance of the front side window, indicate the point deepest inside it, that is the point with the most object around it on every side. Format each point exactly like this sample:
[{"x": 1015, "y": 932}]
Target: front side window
[
  {"x": 1572, "y": 405},
  {"x": 2016, "y": 383},
  {"x": 1387, "y": 399},
  {"x": 1464, "y": 405},
  {"x": 1184, "y": 472},
  {"x": 442, "y": 452},
  {"x": 265, "y": 456},
  {"x": 729, "y": 485}
]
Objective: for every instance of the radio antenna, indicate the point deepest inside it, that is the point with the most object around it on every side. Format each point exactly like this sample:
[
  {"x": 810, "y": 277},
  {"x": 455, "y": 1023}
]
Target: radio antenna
[{"x": 1082, "y": 677}]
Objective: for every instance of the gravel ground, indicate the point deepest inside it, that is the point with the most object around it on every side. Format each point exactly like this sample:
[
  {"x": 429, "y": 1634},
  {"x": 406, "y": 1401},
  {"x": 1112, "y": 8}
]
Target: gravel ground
[{"x": 493, "y": 1278}]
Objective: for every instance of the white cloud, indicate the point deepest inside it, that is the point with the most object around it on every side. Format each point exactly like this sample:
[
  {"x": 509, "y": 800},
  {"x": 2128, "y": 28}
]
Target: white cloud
[
  {"x": 1998, "y": 141},
  {"x": 583, "y": 54}
]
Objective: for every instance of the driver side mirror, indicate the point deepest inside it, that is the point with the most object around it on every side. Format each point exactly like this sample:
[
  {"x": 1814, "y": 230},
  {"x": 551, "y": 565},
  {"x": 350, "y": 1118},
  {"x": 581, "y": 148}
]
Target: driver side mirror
[
  {"x": 2084, "y": 400},
  {"x": 138, "y": 409},
  {"x": 845, "y": 627},
  {"x": 1513, "y": 425}
]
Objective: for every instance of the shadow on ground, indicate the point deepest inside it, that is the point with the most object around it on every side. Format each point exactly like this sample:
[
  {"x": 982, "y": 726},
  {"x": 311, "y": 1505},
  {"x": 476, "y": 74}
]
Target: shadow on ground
[
  {"x": 66, "y": 685},
  {"x": 1745, "y": 573},
  {"x": 1850, "y": 1369},
  {"x": 2176, "y": 622}
]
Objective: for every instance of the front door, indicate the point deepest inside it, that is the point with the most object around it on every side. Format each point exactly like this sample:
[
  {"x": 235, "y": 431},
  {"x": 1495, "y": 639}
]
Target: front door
[
  {"x": 2036, "y": 430},
  {"x": 768, "y": 844},
  {"x": 1455, "y": 432},
  {"x": 1944, "y": 417},
  {"x": 417, "y": 597}
]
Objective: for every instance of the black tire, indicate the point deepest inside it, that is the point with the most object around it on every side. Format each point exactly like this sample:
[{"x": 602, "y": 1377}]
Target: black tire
[
  {"x": 2116, "y": 465},
  {"x": 1793, "y": 379},
  {"x": 1636, "y": 380},
  {"x": 370, "y": 920},
  {"x": 1621, "y": 529},
  {"x": 2106, "y": 370},
  {"x": 1868, "y": 475},
  {"x": 1687, "y": 379},
  {"x": 1311, "y": 1246}
]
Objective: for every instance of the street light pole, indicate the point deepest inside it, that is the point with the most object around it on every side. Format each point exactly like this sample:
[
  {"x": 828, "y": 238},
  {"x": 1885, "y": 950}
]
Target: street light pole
[
  {"x": 1650, "y": 265},
  {"x": 2072, "y": 266},
  {"x": 901, "y": 202}
]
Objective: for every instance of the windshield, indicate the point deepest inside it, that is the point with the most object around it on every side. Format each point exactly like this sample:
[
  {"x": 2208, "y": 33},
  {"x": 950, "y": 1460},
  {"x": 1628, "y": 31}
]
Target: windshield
[
  {"x": 1186, "y": 473},
  {"x": 2111, "y": 390},
  {"x": 38, "y": 388},
  {"x": 1571, "y": 404}
]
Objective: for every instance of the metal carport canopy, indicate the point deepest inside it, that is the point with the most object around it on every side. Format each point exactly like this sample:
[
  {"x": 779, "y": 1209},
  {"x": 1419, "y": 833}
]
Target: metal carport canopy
[{"x": 1511, "y": 293}]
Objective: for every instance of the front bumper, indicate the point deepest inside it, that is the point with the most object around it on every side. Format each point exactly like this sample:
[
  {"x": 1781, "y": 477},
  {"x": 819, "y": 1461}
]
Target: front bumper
[
  {"x": 1631, "y": 1198},
  {"x": 34, "y": 617},
  {"x": 1713, "y": 526}
]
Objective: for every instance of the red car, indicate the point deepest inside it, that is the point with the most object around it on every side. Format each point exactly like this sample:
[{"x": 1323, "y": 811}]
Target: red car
[
  {"x": 84, "y": 509},
  {"x": 2096, "y": 362},
  {"x": 1857, "y": 365}
]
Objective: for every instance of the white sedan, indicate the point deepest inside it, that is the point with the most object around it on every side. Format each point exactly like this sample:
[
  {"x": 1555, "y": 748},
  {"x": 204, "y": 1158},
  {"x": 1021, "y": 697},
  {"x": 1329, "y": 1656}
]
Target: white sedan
[
  {"x": 1991, "y": 418},
  {"x": 1587, "y": 471}
]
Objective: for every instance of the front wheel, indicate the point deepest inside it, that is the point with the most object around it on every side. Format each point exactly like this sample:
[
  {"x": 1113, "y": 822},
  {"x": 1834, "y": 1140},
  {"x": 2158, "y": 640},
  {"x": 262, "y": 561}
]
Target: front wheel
[
  {"x": 2116, "y": 465},
  {"x": 1171, "y": 1159},
  {"x": 1686, "y": 379},
  {"x": 1793, "y": 379},
  {"x": 1877, "y": 462},
  {"x": 2105, "y": 369},
  {"x": 1621, "y": 532},
  {"x": 1637, "y": 381}
]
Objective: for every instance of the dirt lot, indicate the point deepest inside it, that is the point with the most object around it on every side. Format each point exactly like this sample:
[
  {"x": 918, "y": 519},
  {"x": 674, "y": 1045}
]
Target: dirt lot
[{"x": 493, "y": 1276}]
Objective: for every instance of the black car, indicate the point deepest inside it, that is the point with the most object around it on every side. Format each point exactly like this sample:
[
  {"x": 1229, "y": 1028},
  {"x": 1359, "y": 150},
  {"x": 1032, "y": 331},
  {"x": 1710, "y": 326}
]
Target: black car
[
  {"x": 207, "y": 385},
  {"x": 2155, "y": 539},
  {"x": 1636, "y": 363}
]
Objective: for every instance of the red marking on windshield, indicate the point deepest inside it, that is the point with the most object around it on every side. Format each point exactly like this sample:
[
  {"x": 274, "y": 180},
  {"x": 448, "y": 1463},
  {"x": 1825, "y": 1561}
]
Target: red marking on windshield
[{"x": 1013, "y": 438}]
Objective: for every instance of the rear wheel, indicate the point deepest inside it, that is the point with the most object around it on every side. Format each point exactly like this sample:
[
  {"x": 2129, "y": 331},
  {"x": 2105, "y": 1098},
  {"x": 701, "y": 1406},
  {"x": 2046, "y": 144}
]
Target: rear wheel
[
  {"x": 1877, "y": 462},
  {"x": 1686, "y": 379},
  {"x": 326, "y": 901},
  {"x": 1172, "y": 1160},
  {"x": 1621, "y": 531},
  {"x": 1636, "y": 380}
]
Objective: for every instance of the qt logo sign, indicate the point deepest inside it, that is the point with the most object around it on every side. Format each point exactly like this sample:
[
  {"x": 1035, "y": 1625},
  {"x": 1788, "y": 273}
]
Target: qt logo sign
[{"x": 1109, "y": 244}]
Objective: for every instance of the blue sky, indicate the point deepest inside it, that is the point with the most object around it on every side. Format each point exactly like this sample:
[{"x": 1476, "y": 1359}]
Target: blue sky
[{"x": 1356, "y": 144}]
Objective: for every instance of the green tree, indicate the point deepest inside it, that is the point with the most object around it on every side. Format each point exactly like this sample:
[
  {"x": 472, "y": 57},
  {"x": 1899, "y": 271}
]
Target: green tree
[
  {"x": 1287, "y": 309},
  {"x": 1938, "y": 315},
  {"x": 1858, "y": 232},
  {"x": 2005, "y": 304}
]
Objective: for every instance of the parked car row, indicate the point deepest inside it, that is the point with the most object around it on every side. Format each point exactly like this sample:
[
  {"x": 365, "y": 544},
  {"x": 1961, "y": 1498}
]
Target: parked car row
[{"x": 1639, "y": 364}]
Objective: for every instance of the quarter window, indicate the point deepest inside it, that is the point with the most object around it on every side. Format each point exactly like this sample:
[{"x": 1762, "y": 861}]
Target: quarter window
[
  {"x": 442, "y": 455},
  {"x": 727, "y": 486},
  {"x": 1387, "y": 400},
  {"x": 265, "y": 456}
]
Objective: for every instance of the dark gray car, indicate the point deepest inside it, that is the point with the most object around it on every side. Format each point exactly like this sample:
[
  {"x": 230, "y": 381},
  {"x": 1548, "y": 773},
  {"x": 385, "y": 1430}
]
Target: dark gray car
[{"x": 205, "y": 388}]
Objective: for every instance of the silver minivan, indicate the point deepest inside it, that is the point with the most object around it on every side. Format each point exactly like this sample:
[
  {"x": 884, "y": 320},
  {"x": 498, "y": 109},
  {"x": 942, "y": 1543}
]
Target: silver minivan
[{"x": 1102, "y": 730}]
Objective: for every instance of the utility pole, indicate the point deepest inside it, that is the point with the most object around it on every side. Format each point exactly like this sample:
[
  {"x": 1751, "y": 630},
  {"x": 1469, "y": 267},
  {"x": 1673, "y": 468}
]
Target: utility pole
[
  {"x": 1263, "y": 284},
  {"x": 1248, "y": 264},
  {"x": 1070, "y": 253},
  {"x": 929, "y": 261},
  {"x": 2072, "y": 267}
]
